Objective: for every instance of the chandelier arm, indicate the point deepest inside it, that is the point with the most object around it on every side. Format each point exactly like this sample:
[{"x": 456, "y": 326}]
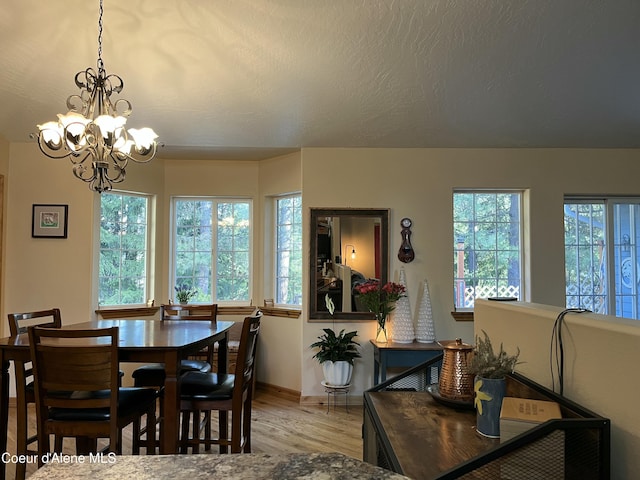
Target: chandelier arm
[
  {"x": 76, "y": 159},
  {"x": 113, "y": 83},
  {"x": 127, "y": 107},
  {"x": 55, "y": 153},
  {"x": 144, "y": 156}
]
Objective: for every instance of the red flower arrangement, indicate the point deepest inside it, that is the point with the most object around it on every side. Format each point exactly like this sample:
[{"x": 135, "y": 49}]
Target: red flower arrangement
[{"x": 380, "y": 299}]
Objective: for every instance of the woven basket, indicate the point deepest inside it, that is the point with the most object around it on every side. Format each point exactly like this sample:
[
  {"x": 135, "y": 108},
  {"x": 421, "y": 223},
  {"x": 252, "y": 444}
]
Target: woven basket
[{"x": 456, "y": 383}]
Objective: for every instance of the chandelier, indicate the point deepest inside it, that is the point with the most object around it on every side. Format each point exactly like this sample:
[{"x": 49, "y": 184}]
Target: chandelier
[{"x": 92, "y": 133}]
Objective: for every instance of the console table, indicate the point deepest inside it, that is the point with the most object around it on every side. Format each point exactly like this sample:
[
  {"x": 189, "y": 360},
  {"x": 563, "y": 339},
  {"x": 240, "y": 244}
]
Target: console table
[
  {"x": 408, "y": 432},
  {"x": 391, "y": 354}
]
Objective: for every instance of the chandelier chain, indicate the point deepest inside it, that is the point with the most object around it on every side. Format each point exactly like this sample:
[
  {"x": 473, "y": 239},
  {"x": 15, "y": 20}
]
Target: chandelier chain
[{"x": 100, "y": 63}]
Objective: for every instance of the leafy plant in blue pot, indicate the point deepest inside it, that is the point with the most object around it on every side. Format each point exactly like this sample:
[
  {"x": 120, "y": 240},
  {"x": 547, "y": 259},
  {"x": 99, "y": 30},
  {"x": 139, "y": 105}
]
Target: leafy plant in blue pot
[{"x": 489, "y": 385}]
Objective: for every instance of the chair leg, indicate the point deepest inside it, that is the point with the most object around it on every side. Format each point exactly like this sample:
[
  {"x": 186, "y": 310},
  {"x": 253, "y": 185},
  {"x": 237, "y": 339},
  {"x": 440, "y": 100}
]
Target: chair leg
[
  {"x": 85, "y": 445},
  {"x": 151, "y": 430},
  {"x": 184, "y": 435},
  {"x": 207, "y": 431},
  {"x": 22, "y": 435},
  {"x": 223, "y": 430},
  {"x": 135, "y": 437},
  {"x": 118, "y": 448},
  {"x": 195, "y": 431},
  {"x": 44, "y": 446},
  {"x": 236, "y": 432},
  {"x": 246, "y": 424}
]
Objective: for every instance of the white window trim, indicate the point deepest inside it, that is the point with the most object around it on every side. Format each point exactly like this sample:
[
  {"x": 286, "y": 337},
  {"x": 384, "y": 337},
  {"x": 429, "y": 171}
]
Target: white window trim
[
  {"x": 525, "y": 293},
  {"x": 273, "y": 261},
  {"x": 149, "y": 267}
]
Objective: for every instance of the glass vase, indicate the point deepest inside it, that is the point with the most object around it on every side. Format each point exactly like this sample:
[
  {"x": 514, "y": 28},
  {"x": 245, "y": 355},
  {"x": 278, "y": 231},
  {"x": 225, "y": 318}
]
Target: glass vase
[{"x": 381, "y": 332}]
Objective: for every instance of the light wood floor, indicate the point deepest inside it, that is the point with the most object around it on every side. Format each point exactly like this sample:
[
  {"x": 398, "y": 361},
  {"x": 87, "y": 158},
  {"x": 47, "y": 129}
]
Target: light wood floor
[{"x": 279, "y": 425}]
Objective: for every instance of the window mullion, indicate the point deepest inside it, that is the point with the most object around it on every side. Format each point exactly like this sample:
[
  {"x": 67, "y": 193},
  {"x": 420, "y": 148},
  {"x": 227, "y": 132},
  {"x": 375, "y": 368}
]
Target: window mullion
[
  {"x": 634, "y": 260},
  {"x": 609, "y": 256}
]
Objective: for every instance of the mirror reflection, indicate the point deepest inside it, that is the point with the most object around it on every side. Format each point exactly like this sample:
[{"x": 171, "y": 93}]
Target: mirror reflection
[{"x": 348, "y": 248}]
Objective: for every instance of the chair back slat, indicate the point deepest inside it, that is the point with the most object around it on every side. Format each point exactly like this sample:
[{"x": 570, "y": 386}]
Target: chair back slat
[
  {"x": 19, "y": 322},
  {"x": 247, "y": 351},
  {"x": 68, "y": 374},
  {"x": 207, "y": 313},
  {"x": 189, "y": 312}
]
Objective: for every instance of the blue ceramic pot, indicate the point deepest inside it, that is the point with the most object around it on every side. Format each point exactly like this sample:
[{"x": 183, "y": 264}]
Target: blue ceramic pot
[{"x": 489, "y": 393}]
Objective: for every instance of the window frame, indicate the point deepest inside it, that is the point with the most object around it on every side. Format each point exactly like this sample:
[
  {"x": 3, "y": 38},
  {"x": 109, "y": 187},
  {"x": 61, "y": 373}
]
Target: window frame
[
  {"x": 149, "y": 282},
  {"x": 611, "y": 251},
  {"x": 216, "y": 200},
  {"x": 465, "y": 313},
  {"x": 275, "y": 250}
]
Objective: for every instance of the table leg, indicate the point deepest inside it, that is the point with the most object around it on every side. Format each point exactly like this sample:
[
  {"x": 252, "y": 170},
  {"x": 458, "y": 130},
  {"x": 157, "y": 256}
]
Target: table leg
[
  {"x": 4, "y": 409},
  {"x": 223, "y": 417},
  {"x": 222, "y": 353},
  {"x": 170, "y": 430}
]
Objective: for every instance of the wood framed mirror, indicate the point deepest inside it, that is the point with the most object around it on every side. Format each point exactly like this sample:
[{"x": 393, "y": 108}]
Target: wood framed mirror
[{"x": 348, "y": 247}]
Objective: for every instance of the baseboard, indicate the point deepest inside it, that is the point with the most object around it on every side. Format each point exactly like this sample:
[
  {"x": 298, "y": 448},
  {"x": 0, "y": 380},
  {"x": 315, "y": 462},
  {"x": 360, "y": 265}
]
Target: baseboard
[
  {"x": 278, "y": 391},
  {"x": 307, "y": 400}
]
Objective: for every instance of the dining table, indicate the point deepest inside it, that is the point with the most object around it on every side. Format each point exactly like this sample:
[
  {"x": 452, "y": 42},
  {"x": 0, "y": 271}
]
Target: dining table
[{"x": 139, "y": 340}]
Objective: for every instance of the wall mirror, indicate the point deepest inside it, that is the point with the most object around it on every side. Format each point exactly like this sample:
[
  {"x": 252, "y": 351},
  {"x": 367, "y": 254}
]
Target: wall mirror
[{"x": 348, "y": 247}]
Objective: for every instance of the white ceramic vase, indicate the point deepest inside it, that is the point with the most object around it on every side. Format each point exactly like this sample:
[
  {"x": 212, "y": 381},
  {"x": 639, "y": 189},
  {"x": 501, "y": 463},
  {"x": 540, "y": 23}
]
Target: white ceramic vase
[
  {"x": 402, "y": 330},
  {"x": 337, "y": 373},
  {"x": 425, "y": 329}
]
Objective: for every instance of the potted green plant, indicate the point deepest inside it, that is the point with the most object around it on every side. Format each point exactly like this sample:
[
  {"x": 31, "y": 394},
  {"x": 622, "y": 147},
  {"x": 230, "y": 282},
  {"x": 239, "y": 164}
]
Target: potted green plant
[
  {"x": 336, "y": 353},
  {"x": 184, "y": 293},
  {"x": 490, "y": 369}
]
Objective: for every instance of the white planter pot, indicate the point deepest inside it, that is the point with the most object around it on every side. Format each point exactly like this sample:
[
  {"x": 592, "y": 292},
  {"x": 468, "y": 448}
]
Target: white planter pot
[{"x": 337, "y": 373}]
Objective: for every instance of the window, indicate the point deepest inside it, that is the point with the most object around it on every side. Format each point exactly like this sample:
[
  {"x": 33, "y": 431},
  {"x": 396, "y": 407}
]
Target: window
[
  {"x": 487, "y": 245},
  {"x": 124, "y": 262},
  {"x": 601, "y": 257},
  {"x": 212, "y": 248},
  {"x": 288, "y": 276}
]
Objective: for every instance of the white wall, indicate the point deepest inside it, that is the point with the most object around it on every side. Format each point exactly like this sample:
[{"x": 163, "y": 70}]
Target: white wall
[
  {"x": 601, "y": 356},
  {"x": 418, "y": 183},
  {"x": 43, "y": 273},
  {"x": 280, "y": 337}
]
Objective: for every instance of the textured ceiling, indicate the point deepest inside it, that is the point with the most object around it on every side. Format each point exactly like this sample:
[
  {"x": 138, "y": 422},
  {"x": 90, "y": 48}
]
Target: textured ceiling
[{"x": 249, "y": 78}]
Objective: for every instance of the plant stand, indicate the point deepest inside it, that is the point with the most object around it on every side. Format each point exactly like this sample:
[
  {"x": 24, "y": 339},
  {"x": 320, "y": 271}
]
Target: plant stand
[{"x": 334, "y": 391}]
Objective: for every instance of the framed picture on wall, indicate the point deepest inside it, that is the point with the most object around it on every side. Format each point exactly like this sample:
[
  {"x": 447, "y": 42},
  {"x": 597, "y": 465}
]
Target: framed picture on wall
[{"x": 49, "y": 221}]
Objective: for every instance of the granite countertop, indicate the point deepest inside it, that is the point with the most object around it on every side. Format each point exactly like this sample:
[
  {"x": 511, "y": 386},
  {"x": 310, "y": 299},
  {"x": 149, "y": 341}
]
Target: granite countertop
[{"x": 316, "y": 466}]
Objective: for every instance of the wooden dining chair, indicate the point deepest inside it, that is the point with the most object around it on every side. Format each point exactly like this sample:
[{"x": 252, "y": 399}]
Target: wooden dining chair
[
  {"x": 153, "y": 375},
  {"x": 206, "y": 392},
  {"x": 25, "y": 393},
  {"x": 77, "y": 390}
]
